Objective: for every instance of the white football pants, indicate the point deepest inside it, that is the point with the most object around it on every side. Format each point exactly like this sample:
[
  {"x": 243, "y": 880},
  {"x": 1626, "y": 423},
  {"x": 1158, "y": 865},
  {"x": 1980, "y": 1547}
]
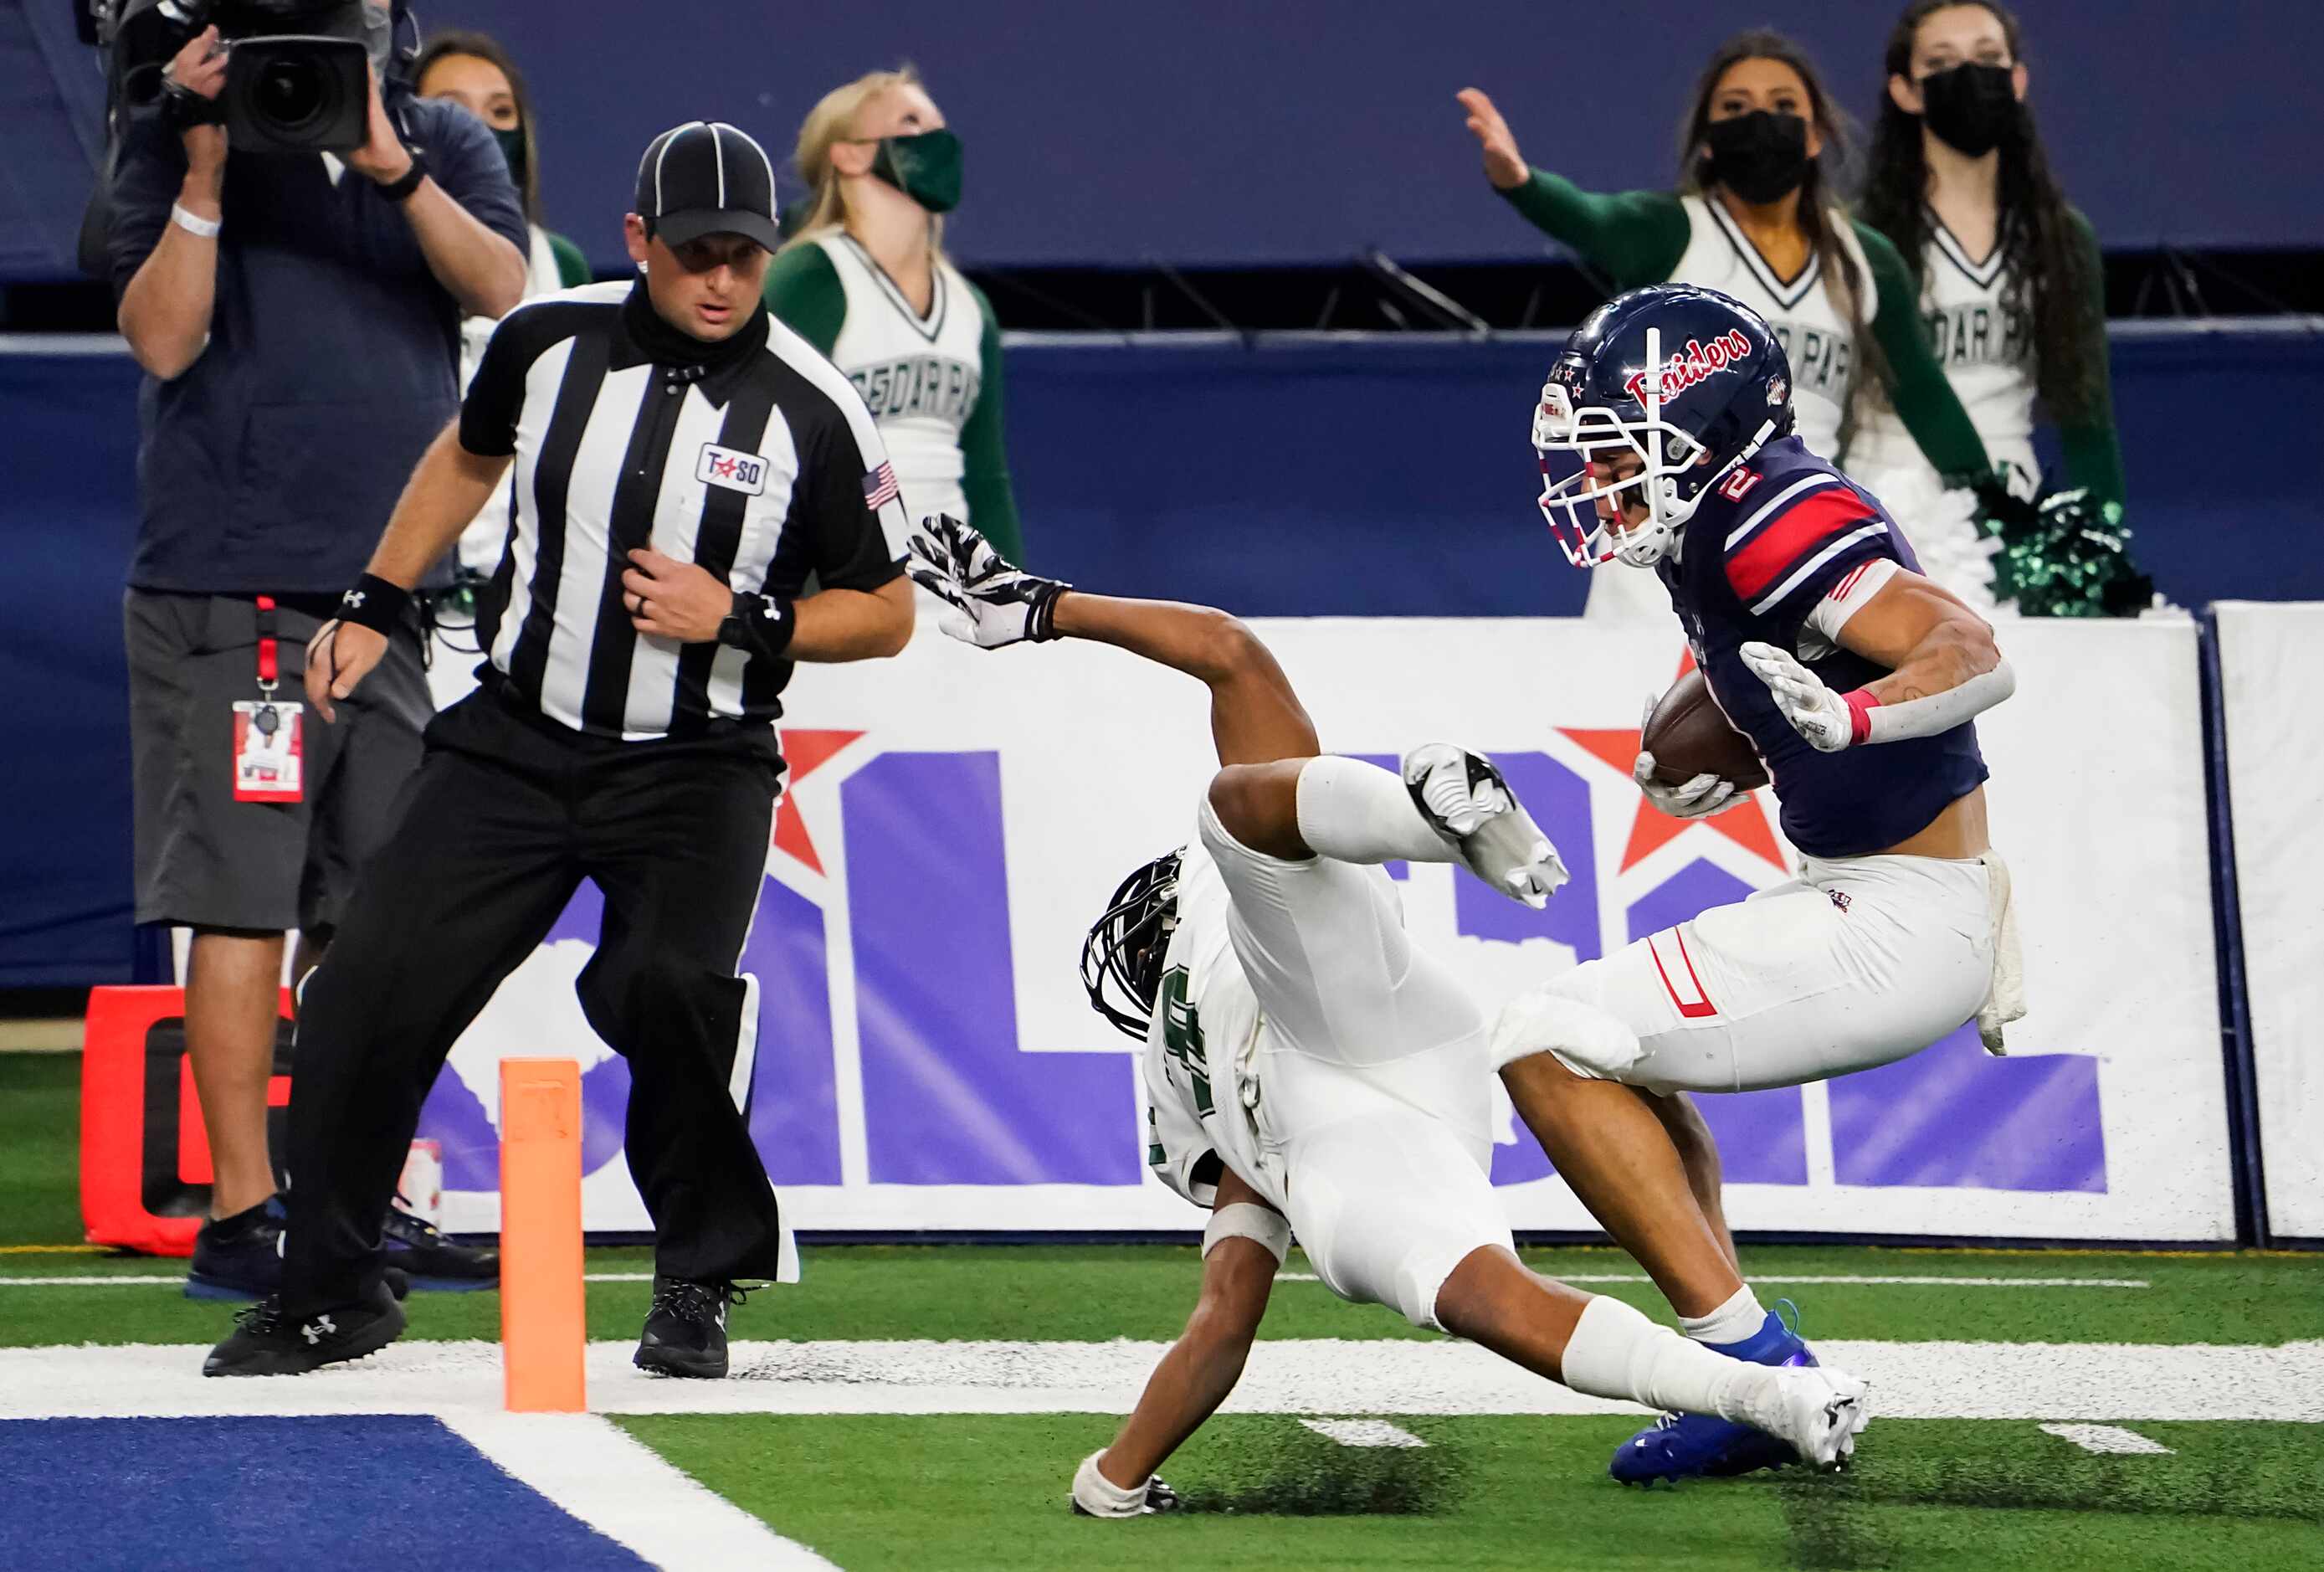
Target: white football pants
[
  {"x": 1857, "y": 962},
  {"x": 1372, "y": 1071}
]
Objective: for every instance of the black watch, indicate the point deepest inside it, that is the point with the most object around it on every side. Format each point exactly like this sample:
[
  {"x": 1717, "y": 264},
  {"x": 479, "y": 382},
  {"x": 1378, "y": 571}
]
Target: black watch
[{"x": 399, "y": 188}]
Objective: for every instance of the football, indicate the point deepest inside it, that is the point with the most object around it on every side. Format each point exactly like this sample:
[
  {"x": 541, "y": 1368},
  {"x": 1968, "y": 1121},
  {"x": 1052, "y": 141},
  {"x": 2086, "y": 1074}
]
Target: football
[{"x": 1688, "y": 735}]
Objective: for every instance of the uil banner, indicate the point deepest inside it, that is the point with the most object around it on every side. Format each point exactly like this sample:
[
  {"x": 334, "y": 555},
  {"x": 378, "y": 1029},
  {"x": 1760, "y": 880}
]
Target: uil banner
[
  {"x": 2275, "y": 759},
  {"x": 922, "y": 1055}
]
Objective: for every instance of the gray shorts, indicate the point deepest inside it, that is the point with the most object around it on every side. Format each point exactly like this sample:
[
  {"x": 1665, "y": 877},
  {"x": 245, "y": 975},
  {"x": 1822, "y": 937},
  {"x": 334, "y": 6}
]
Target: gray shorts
[{"x": 208, "y": 861}]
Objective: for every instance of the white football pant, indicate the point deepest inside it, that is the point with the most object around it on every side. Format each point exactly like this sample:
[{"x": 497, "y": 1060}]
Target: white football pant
[
  {"x": 1857, "y": 962},
  {"x": 1372, "y": 1072}
]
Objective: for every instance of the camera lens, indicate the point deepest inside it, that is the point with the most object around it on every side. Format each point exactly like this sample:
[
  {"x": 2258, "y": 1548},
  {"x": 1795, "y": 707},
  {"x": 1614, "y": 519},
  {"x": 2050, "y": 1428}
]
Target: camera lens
[{"x": 290, "y": 92}]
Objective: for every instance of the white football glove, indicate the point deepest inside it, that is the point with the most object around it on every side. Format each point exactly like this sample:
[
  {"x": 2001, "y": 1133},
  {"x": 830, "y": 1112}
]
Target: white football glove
[
  {"x": 1814, "y": 710},
  {"x": 993, "y": 601},
  {"x": 1698, "y": 797}
]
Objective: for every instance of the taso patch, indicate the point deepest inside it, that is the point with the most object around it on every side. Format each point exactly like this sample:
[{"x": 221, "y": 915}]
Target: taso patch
[{"x": 743, "y": 472}]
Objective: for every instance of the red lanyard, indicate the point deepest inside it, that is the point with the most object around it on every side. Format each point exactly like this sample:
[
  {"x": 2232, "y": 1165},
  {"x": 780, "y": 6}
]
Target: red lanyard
[{"x": 268, "y": 671}]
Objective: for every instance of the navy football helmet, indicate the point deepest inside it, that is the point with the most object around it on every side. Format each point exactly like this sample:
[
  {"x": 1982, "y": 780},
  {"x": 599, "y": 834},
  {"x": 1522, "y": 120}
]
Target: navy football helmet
[{"x": 1689, "y": 381}]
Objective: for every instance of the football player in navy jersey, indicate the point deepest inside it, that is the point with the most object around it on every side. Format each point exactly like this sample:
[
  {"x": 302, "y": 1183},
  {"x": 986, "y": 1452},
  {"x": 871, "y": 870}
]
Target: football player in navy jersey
[{"x": 1664, "y": 432}]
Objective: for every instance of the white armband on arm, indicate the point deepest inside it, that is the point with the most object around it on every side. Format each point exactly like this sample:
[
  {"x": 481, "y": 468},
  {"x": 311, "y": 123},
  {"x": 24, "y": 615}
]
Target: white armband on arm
[
  {"x": 1267, "y": 1228},
  {"x": 1931, "y": 714}
]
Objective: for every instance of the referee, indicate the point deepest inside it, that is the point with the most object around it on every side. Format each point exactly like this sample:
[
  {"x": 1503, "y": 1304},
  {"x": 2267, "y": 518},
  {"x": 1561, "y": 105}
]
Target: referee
[{"x": 684, "y": 467}]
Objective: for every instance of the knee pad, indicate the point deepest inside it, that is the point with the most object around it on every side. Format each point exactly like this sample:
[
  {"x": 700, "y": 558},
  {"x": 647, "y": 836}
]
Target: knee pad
[
  {"x": 1562, "y": 1018},
  {"x": 1266, "y": 1228}
]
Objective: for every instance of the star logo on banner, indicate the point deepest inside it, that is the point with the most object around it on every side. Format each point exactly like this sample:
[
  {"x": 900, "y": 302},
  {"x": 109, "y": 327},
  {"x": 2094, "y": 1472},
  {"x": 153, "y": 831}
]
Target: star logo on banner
[
  {"x": 1745, "y": 825},
  {"x": 806, "y": 752}
]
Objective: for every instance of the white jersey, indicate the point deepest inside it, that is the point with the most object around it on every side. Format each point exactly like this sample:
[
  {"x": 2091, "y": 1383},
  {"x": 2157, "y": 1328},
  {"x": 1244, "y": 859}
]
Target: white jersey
[
  {"x": 482, "y": 542},
  {"x": 1340, "y": 1069},
  {"x": 920, "y": 375},
  {"x": 1805, "y": 312},
  {"x": 1202, "y": 1048},
  {"x": 1986, "y": 349}
]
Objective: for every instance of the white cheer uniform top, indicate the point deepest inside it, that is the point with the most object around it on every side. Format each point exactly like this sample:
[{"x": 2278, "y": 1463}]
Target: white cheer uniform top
[
  {"x": 486, "y": 535},
  {"x": 1986, "y": 349},
  {"x": 919, "y": 375}
]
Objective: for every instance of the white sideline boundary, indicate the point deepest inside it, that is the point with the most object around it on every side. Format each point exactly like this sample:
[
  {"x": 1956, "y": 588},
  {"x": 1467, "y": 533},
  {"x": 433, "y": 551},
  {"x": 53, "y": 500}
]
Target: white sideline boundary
[
  {"x": 629, "y": 1492},
  {"x": 2096, "y": 1382}
]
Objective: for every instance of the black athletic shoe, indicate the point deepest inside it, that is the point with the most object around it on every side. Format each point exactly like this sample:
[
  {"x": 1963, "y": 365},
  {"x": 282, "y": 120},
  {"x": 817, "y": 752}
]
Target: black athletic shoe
[
  {"x": 267, "y": 1342},
  {"x": 238, "y": 1257},
  {"x": 433, "y": 1261},
  {"x": 685, "y": 1330}
]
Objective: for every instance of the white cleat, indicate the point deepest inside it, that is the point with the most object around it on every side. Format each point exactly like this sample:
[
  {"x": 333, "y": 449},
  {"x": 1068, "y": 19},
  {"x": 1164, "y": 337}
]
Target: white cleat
[
  {"x": 1465, "y": 800},
  {"x": 1821, "y": 1412}
]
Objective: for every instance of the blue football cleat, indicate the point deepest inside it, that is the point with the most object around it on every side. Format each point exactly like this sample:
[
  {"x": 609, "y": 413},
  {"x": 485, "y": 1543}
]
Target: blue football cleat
[
  {"x": 1704, "y": 1446},
  {"x": 238, "y": 1257}
]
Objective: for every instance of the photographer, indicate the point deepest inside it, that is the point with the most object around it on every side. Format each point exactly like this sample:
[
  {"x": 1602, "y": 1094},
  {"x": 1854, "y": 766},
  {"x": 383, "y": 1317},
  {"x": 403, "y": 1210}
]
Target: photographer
[{"x": 297, "y": 316}]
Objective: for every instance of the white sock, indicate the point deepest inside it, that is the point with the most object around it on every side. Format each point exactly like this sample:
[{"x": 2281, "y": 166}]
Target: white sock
[
  {"x": 1357, "y": 812},
  {"x": 1739, "y": 1318},
  {"x": 1099, "y": 1496},
  {"x": 1616, "y": 1352}
]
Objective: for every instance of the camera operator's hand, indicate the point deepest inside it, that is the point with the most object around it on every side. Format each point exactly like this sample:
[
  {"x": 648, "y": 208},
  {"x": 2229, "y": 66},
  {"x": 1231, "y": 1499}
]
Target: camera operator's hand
[
  {"x": 669, "y": 599},
  {"x": 383, "y": 157},
  {"x": 200, "y": 68},
  {"x": 340, "y": 655}
]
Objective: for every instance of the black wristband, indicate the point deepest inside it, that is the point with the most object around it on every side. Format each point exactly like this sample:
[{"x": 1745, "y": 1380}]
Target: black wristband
[
  {"x": 1042, "y": 625},
  {"x": 399, "y": 188},
  {"x": 183, "y": 108},
  {"x": 374, "y": 604},
  {"x": 759, "y": 624}
]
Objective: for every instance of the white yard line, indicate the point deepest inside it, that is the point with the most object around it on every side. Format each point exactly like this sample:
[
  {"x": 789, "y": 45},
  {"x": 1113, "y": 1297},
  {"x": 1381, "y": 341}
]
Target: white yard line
[
  {"x": 627, "y": 1491},
  {"x": 1782, "y": 1279},
  {"x": 2108, "y": 1439},
  {"x": 147, "y": 1280},
  {"x": 1363, "y": 1433},
  {"x": 2101, "y": 1382}
]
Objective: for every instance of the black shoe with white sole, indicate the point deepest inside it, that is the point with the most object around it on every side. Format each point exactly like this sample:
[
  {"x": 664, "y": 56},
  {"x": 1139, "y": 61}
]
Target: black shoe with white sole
[
  {"x": 265, "y": 1341},
  {"x": 685, "y": 1330}
]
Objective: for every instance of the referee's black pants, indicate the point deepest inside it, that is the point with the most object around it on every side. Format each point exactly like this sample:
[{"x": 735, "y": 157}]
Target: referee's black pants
[{"x": 508, "y": 813}]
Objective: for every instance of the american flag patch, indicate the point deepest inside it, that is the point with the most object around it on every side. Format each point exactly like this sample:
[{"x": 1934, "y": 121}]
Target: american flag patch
[{"x": 879, "y": 488}]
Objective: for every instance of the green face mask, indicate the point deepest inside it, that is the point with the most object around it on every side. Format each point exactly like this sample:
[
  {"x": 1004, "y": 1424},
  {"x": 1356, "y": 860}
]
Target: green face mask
[
  {"x": 925, "y": 167},
  {"x": 512, "y": 149}
]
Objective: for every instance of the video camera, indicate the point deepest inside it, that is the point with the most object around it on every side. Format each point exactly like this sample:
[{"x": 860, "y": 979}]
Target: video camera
[{"x": 295, "y": 70}]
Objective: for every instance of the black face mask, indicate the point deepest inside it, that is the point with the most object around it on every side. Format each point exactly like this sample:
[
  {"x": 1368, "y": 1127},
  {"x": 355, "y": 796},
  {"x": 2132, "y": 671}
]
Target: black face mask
[
  {"x": 1761, "y": 157},
  {"x": 1972, "y": 108}
]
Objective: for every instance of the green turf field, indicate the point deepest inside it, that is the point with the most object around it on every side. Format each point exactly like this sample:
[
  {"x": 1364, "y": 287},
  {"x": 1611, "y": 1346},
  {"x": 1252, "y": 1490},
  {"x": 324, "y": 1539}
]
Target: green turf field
[{"x": 890, "y": 1487}]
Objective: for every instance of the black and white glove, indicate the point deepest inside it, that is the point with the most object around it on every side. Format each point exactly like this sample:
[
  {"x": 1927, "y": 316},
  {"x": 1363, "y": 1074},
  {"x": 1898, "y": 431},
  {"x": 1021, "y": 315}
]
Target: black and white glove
[{"x": 993, "y": 601}]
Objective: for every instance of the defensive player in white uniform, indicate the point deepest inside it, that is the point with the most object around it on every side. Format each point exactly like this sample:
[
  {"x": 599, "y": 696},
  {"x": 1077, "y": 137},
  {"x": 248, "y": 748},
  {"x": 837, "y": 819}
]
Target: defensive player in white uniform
[
  {"x": 1309, "y": 1070},
  {"x": 1754, "y": 220},
  {"x": 1664, "y": 432},
  {"x": 866, "y": 281}
]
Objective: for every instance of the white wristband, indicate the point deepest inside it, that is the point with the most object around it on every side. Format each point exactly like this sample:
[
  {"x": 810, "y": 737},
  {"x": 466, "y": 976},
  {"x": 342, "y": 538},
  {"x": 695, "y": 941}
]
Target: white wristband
[
  {"x": 1262, "y": 1225},
  {"x": 193, "y": 223}
]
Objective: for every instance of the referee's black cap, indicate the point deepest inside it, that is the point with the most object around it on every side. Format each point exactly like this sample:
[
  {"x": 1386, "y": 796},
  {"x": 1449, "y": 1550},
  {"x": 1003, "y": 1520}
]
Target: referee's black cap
[{"x": 707, "y": 177}]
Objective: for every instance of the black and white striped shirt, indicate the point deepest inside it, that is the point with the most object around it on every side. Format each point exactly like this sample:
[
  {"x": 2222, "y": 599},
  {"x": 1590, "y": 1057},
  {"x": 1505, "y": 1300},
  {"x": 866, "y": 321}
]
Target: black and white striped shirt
[{"x": 760, "y": 464}]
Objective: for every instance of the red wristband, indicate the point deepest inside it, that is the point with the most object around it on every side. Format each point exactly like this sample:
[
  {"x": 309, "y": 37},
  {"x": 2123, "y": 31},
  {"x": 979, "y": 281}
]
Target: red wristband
[{"x": 1860, "y": 706}]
